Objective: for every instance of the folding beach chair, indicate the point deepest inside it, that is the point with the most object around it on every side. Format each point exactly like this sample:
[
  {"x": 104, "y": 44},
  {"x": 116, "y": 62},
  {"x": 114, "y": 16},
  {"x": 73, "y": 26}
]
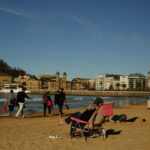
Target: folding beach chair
[
  {"x": 107, "y": 111},
  {"x": 93, "y": 127}
]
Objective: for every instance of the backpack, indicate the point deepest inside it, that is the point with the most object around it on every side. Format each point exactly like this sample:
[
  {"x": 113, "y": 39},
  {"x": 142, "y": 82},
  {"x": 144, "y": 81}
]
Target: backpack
[
  {"x": 115, "y": 118},
  {"x": 122, "y": 118},
  {"x": 13, "y": 101}
]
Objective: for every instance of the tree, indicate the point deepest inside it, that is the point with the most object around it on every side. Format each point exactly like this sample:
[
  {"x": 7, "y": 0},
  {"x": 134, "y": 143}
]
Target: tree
[
  {"x": 124, "y": 85},
  {"x": 101, "y": 84},
  {"x": 118, "y": 85},
  {"x": 111, "y": 87},
  {"x": 14, "y": 72}
]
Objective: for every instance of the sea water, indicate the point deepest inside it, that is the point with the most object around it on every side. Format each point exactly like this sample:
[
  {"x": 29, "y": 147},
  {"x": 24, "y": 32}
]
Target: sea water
[{"x": 36, "y": 105}]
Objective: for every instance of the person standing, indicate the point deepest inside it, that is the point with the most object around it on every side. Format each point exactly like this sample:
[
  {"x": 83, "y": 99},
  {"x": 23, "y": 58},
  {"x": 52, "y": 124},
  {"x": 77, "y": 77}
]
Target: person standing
[
  {"x": 44, "y": 101},
  {"x": 21, "y": 100},
  {"x": 148, "y": 103},
  {"x": 47, "y": 102},
  {"x": 10, "y": 101}
]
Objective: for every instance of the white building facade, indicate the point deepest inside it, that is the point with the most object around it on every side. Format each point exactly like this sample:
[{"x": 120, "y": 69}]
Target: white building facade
[
  {"x": 116, "y": 82},
  {"x": 103, "y": 82}
]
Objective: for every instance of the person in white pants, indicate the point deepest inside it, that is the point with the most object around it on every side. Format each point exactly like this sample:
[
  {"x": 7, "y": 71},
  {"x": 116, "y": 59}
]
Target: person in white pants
[
  {"x": 20, "y": 109},
  {"x": 21, "y": 99}
]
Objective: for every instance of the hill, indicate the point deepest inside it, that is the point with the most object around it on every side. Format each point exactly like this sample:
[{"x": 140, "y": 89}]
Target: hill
[{"x": 14, "y": 72}]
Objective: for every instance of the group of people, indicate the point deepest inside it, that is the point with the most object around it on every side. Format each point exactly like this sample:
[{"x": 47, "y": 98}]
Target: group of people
[
  {"x": 59, "y": 100},
  {"x": 19, "y": 101}
]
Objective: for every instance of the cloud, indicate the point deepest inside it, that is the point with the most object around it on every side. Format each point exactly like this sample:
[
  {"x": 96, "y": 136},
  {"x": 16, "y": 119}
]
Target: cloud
[
  {"x": 92, "y": 27},
  {"x": 17, "y": 13},
  {"x": 81, "y": 21},
  {"x": 11, "y": 11}
]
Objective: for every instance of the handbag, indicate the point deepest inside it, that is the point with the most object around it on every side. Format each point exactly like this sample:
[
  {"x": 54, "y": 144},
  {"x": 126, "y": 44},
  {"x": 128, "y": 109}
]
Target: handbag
[
  {"x": 4, "y": 109},
  {"x": 13, "y": 101},
  {"x": 66, "y": 105},
  {"x": 50, "y": 104}
]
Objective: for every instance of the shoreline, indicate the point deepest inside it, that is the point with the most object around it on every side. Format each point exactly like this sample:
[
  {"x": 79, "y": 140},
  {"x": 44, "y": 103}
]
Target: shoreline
[{"x": 138, "y": 94}]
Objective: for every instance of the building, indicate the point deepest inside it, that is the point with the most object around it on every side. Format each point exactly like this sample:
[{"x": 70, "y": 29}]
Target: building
[
  {"x": 52, "y": 82},
  {"x": 91, "y": 84},
  {"x": 33, "y": 84},
  {"x": 22, "y": 79},
  {"x": 106, "y": 82},
  {"x": 5, "y": 79},
  {"x": 84, "y": 82},
  {"x": 136, "y": 81},
  {"x": 148, "y": 80},
  {"x": 56, "y": 82},
  {"x": 124, "y": 82},
  {"x": 119, "y": 82}
]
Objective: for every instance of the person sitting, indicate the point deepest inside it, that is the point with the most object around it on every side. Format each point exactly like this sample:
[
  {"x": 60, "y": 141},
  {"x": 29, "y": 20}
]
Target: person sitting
[{"x": 86, "y": 115}]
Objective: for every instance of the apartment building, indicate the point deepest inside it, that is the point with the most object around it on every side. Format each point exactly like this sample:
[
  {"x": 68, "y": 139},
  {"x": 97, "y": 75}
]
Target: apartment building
[{"x": 120, "y": 82}]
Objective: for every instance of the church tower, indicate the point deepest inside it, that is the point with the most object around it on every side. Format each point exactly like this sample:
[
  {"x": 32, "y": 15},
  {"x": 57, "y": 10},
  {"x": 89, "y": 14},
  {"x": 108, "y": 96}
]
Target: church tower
[
  {"x": 64, "y": 79},
  {"x": 57, "y": 80}
]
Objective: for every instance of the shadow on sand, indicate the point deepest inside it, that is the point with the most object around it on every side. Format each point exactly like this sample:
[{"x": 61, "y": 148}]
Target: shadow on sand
[{"x": 112, "y": 132}]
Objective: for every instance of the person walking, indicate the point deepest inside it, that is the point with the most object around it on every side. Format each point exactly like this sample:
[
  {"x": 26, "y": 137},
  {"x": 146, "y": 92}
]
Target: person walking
[
  {"x": 10, "y": 101},
  {"x": 47, "y": 103},
  {"x": 59, "y": 100},
  {"x": 21, "y": 100}
]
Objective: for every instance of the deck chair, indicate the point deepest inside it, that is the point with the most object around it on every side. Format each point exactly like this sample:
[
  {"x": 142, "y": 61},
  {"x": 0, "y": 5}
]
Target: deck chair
[
  {"x": 93, "y": 127},
  {"x": 107, "y": 111}
]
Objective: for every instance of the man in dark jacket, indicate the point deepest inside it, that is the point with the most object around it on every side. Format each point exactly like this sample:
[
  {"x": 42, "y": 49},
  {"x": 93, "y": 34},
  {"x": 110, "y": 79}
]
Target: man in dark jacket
[
  {"x": 21, "y": 99},
  {"x": 60, "y": 98}
]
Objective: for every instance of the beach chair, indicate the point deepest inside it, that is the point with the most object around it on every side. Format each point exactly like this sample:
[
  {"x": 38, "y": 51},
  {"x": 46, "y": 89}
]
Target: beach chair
[
  {"x": 93, "y": 127},
  {"x": 107, "y": 111}
]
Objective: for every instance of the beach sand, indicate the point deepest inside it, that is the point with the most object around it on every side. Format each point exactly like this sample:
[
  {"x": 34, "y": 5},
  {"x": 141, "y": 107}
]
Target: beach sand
[{"x": 33, "y": 131}]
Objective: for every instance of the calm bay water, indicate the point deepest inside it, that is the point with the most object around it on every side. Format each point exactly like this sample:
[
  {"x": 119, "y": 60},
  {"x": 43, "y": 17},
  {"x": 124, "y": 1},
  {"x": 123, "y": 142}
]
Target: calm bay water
[{"x": 73, "y": 102}]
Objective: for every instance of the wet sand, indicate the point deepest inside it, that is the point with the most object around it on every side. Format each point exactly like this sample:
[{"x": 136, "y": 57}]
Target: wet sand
[{"x": 33, "y": 131}]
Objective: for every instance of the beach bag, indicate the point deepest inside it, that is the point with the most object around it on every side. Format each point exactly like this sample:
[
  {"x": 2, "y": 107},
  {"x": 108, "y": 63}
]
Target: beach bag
[
  {"x": 50, "y": 104},
  {"x": 115, "y": 118},
  {"x": 66, "y": 105},
  {"x": 13, "y": 101},
  {"x": 122, "y": 118},
  {"x": 4, "y": 109}
]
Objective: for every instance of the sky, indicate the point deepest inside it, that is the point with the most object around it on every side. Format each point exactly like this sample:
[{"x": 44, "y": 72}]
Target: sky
[{"x": 84, "y": 38}]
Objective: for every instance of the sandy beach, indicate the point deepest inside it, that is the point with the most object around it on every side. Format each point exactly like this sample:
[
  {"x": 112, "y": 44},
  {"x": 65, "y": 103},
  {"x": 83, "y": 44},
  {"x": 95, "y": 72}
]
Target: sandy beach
[{"x": 33, "y": 131}]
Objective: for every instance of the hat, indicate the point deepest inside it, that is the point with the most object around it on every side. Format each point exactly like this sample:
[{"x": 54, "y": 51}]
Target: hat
[{"x": 98, "y": 101}]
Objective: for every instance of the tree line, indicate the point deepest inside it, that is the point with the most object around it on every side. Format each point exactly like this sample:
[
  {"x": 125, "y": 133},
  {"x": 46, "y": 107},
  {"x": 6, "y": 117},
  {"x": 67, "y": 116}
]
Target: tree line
[{"x": 14, "y": 72}]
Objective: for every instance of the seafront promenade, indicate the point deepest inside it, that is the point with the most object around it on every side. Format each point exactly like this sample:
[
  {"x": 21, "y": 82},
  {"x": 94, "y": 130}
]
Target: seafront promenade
[{"x": 144, "y": 94}]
